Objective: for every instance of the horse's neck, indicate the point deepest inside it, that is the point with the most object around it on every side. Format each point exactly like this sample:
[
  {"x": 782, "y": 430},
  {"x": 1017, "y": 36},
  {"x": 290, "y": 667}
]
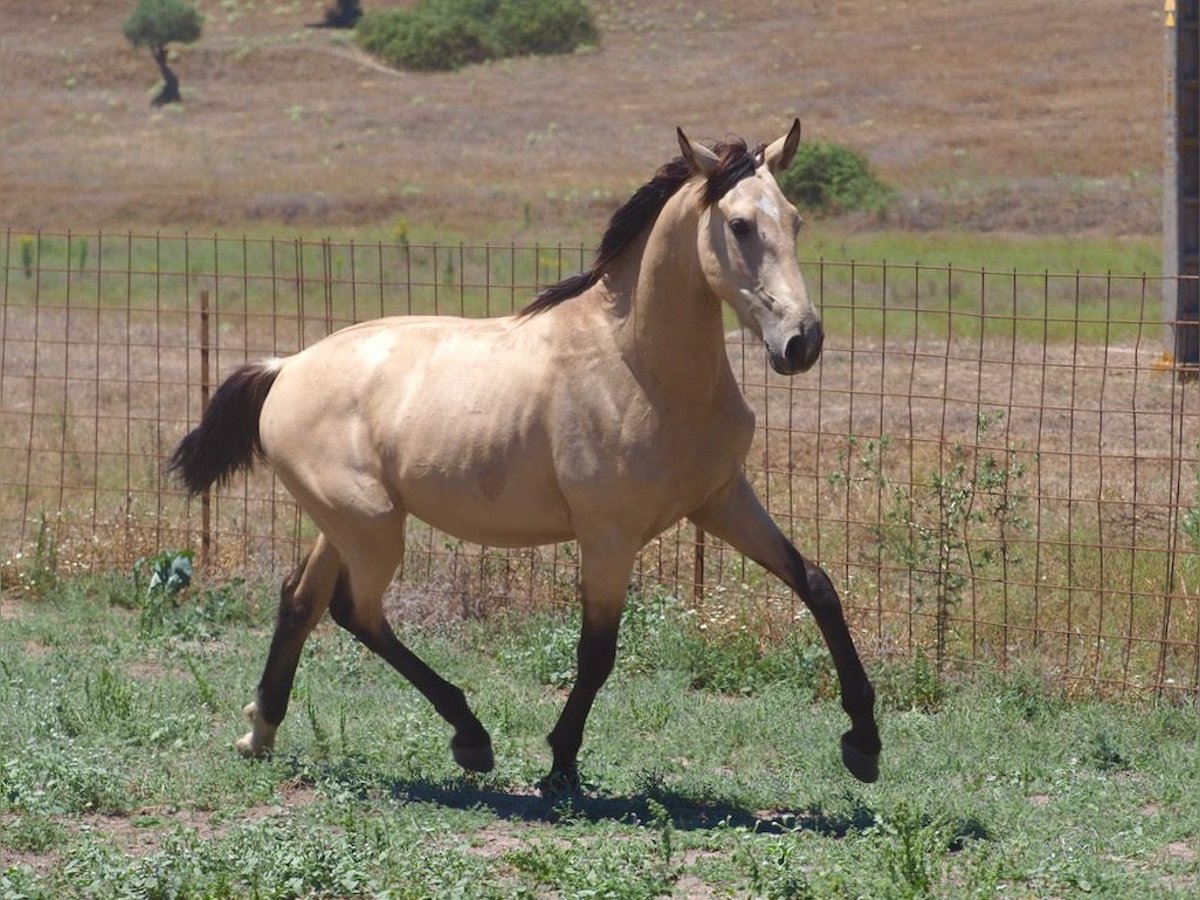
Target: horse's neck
[{"x": 670, "y": 328}]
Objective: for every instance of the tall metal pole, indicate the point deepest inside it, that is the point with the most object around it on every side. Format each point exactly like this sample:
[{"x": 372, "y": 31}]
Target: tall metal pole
[
  {"x": 206, "y": 496},
  {"x": 1181, "y": 182}
]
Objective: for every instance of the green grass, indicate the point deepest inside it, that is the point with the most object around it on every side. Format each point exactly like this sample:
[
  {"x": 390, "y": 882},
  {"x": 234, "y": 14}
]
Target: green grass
[
  {"x": 1043, "y": 290},
  {"x": 711, "y": 767},
  {"x": 914, "y": 281}
]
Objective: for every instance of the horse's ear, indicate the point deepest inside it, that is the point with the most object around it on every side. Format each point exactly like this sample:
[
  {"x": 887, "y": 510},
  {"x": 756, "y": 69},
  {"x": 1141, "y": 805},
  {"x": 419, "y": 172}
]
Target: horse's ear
[
  {"x": 779, "y": 155},
  {"x": 699, "y": 157}
]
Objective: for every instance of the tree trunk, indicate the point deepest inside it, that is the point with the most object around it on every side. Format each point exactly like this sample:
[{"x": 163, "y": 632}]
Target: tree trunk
[{"x": 170, "y": 88}]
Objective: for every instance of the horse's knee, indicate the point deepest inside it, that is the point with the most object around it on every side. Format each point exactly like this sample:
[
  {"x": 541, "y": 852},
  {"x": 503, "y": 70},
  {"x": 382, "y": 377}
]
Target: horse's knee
[{"x": 820, "y": 585}]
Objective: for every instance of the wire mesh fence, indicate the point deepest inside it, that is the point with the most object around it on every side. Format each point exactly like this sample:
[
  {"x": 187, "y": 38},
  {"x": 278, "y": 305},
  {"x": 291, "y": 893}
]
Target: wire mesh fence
[{"x": 998, "y": 468}]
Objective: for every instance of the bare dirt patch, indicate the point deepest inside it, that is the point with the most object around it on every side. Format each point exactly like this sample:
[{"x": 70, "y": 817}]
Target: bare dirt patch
[
  {"x": 1019, "y": 114},
  {"x": 1180, "y": 850}
]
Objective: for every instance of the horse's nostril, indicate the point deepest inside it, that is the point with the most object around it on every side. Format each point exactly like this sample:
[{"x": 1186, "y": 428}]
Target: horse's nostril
[{"x": 803, "y": 349}]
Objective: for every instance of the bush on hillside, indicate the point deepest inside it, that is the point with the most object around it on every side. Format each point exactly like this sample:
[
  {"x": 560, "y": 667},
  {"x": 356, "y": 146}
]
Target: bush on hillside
[
  {"x": 449, "y": 34},
  {"x": 828, "y": 178},
  {"x": 525, "y": 27}
]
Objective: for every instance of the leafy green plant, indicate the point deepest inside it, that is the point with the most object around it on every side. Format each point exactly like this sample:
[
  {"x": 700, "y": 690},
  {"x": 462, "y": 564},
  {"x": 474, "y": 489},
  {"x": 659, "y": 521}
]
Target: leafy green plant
[
  {"x": 948, "y": 526},
  {"x": 733, "y": 661},
  {"x": 547, "y": 651},
  {"x": 165, "y": 575},
  {"x": 27, "y": 244},
  {"x": 169, "y": 571},
  {"x": 449, "y": 34},
  {"x": 540, "y": 27},
  {"x": 910, "y": 848},
  {"x": 910, "y": 685},
  {"x": 109, "y": 697},
  {"x": 31, "y": 833},
  {"x": 34, "y": 574},
  {"x": 828, "y": 178},
  {"x": 1106, "y": 753},
  {"x": 81, "y": 247}
]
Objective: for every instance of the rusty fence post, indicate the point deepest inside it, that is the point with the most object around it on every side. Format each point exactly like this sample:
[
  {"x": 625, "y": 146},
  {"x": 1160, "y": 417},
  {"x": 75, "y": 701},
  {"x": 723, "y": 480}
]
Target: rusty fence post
[
  {"x": 206, "y": 496},
  {"x": 698, "y": 566}
]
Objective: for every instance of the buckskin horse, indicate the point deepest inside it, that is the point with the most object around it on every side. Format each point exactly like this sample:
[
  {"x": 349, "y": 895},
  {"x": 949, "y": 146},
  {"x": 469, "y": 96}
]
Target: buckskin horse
[{"x": 604, "y": 412}]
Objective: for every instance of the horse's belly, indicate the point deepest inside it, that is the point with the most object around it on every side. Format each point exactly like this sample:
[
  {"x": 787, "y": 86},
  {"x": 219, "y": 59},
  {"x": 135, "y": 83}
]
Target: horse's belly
[{"x": 503, "y": 511}]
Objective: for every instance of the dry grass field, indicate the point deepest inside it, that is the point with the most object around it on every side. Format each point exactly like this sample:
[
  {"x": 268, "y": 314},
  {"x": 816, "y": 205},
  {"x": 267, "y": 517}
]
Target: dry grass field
[{"x": 1015, "y": 115}]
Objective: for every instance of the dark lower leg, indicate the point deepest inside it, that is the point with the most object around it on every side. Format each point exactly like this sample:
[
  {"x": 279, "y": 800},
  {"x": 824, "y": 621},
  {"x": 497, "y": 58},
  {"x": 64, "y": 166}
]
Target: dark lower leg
[
  {"x": 471, "y": 744},
  {"x": 858, "y": 696},
  {"x": 597, "y": 651},
  {"x": 861, "y": 744},
  {"x": 293, "y": 624},
  {"x": 298, "y": 613}
]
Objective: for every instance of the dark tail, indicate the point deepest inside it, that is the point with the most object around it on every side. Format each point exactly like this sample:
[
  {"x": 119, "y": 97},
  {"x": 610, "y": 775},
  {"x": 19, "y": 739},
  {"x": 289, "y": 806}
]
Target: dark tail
[{"x": 227, "y": 440}]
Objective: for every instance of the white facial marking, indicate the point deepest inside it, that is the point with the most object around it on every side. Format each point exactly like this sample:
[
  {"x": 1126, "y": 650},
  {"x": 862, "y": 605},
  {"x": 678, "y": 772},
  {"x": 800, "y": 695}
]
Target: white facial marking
[{"x": 767, "y": 205}]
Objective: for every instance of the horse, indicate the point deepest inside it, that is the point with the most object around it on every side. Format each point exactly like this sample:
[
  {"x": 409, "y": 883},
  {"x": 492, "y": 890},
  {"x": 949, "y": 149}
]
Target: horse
[{"x": 604, "y": 412}]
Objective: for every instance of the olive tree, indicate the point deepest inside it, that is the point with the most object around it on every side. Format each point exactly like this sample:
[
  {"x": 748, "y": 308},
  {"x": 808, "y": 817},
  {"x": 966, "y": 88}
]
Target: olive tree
[
  {"x": 157, "y": 23},
  {"x": 342, "y": 14}
]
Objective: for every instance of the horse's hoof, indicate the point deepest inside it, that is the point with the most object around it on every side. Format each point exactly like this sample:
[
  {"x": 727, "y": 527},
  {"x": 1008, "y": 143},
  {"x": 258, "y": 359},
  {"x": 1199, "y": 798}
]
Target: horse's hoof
[
  {"x": 473, "y": 759},
  {"x": 259, "y": 741},
  {"x": 246, "y": 747},
  {"x": 557, "y": 785},
  {"x": 863, "y": 766}
]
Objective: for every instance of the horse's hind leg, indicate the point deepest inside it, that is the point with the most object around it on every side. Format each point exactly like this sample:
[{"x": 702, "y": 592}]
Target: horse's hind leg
[
  {"x": 358, "y": 607},
  {"x": 305, "y": 596}
]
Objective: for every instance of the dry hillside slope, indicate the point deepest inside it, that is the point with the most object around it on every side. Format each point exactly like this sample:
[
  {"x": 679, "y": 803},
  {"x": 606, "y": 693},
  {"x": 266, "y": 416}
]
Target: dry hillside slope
[{"x": 1024, "y": 115}]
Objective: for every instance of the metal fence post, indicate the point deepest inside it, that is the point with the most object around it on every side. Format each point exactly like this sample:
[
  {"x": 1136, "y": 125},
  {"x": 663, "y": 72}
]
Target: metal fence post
[
  {"x": 1181, "y": 182},
  {"x": 206, "y": 496}
]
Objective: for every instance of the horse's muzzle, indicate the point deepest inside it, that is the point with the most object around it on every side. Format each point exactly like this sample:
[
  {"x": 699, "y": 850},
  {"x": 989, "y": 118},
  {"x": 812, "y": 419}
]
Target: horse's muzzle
[{"x": 801, "y": 352}]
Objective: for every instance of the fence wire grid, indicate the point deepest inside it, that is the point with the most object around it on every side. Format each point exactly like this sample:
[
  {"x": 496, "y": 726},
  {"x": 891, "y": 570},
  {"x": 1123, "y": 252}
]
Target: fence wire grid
[{"x": 997, "y": 468}]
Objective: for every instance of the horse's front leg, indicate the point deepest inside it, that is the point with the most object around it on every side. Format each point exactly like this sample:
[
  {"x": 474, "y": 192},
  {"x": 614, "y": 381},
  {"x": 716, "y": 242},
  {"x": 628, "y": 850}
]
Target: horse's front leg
[
  {"x": 736, "y": 516},
  {"x": 605, "y": 578}
]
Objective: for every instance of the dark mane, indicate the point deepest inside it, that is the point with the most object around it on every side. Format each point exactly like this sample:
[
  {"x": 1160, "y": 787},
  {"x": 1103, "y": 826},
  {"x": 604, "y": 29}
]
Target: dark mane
[{"x": 734, "y": 162}]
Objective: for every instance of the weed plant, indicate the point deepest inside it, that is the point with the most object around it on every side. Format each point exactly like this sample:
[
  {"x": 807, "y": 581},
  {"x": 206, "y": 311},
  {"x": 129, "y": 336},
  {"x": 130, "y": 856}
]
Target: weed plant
[{"x": 950, "y": 526}]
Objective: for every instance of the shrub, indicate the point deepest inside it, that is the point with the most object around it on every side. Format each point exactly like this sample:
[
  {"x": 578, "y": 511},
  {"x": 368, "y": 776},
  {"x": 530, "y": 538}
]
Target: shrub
[
  {"x": 449, "y": 34},
  {"x": 524, "y": 27},
  {"x": 829, "y": 178}
]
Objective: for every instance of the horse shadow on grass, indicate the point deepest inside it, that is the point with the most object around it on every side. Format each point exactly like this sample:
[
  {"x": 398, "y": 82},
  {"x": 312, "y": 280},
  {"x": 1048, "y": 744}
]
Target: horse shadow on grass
[{"x": 655, "y": 804}]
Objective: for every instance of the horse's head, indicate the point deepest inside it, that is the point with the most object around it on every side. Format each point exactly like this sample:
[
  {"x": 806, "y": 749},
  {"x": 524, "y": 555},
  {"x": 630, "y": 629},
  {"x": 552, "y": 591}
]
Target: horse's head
[{"x": 747, "y": 246}]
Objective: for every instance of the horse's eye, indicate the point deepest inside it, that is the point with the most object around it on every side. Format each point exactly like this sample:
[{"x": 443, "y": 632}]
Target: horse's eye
[{"x": 739, "y": 227}]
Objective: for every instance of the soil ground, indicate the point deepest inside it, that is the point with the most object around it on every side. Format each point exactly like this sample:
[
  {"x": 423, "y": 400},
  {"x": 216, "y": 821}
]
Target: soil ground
[{"x": 1018, "y": 115}]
